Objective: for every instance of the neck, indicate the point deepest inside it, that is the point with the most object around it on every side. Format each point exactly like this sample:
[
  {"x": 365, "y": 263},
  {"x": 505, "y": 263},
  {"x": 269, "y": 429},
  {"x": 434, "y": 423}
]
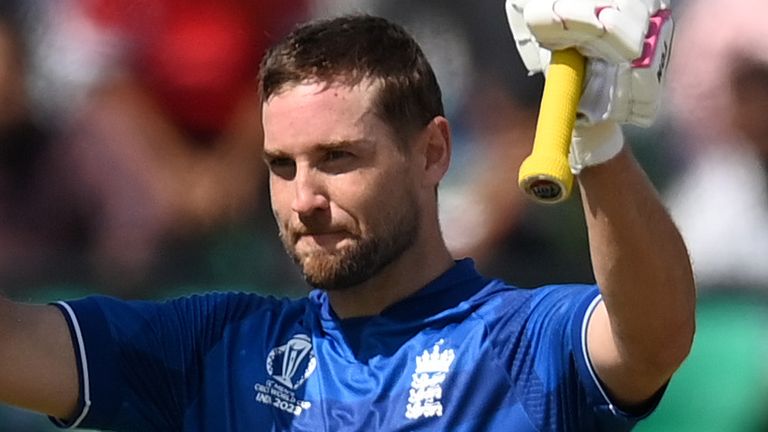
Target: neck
[{"x": 409, "y": 273}]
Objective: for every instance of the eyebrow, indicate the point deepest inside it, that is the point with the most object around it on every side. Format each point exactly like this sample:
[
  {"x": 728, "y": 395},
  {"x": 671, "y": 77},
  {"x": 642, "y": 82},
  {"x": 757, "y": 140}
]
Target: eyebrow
[{"x": 326, "y": 146}]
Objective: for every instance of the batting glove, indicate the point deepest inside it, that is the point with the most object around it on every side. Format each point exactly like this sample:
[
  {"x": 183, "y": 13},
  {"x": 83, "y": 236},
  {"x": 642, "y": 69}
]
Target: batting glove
[{"x": 627, "y": 45}]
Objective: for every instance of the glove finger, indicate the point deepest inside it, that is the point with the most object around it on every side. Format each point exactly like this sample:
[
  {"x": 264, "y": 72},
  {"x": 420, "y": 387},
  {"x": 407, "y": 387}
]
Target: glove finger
[
  {"x": 609, "y": 29},
  {"x": 625, "y": 29},
  {"x": 535, "y": 58},
  {"x": 650, "y": 6},
  {"x": 557, "y": 24}
]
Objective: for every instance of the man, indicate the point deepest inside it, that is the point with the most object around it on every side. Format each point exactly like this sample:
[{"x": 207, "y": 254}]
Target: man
[{"x": 397, "y": 335}]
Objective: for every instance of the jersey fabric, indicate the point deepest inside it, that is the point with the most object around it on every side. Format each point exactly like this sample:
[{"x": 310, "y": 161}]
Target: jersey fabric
[{"x": 465, "y": 353}]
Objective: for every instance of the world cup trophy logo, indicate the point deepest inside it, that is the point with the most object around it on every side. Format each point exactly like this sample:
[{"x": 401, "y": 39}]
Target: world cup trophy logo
[{"x": 292, "y": 364}]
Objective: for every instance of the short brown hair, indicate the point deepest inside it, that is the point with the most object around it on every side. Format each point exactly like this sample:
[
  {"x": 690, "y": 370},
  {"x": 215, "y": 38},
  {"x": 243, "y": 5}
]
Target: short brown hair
[{"x": 350, "y": 49}]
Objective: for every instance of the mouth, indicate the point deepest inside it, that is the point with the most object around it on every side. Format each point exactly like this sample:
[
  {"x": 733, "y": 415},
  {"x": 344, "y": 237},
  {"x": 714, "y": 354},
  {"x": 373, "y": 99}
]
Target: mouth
[{"x": 323, "y": 240}]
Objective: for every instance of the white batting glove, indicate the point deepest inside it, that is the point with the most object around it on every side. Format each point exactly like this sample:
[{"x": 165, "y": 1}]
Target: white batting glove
[{"x": 627, "y": 45}]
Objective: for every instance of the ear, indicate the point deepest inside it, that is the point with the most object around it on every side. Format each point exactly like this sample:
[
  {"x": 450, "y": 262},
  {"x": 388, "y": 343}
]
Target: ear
[{"x": 436, "y": 147}]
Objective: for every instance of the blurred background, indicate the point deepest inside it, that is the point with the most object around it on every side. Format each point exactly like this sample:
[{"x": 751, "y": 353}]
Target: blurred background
[{"x": 130, "y": 165}]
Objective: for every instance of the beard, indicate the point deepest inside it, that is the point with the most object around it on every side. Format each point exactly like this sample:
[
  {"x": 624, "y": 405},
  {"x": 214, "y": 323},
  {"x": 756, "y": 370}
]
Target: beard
[{"x": 361, "y": 260}]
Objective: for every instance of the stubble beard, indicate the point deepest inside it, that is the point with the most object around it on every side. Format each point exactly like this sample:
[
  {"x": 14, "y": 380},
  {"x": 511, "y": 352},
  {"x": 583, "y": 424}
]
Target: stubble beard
[{"x": 364, "y": 258}]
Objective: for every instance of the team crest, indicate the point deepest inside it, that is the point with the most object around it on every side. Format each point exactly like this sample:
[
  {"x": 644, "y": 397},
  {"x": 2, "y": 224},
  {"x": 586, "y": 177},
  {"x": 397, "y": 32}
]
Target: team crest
[{"x": 426, "y": 393}]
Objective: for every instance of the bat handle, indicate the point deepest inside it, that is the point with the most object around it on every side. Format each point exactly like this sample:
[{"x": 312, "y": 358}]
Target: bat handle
[{"x": 545, "y": 174}]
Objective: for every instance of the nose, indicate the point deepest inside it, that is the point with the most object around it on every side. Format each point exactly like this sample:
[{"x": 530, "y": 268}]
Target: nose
[{"x": 309, "y": 192}]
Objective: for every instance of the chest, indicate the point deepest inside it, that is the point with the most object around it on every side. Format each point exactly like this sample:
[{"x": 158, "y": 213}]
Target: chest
[{"x": 446, "y": 379}]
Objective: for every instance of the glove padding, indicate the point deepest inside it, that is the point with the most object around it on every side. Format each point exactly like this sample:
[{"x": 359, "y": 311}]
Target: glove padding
[{"x": 627, "y": 45}]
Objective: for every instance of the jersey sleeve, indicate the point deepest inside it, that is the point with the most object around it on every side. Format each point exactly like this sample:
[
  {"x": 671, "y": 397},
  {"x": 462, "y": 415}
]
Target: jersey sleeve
[
  {"x": 551, "y": 354},
  {"x": 137, "y": 359}
]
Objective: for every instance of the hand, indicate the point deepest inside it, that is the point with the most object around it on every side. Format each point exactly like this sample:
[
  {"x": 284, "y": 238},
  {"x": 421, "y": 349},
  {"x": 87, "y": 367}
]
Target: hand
[{"x": 627, "y": 44}]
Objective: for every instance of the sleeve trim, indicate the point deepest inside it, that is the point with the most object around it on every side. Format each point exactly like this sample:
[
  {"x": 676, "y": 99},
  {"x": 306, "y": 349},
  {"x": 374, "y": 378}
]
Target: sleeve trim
[
  {"x": 84, "y": 362},
  {"x": 585, "y": 352}
]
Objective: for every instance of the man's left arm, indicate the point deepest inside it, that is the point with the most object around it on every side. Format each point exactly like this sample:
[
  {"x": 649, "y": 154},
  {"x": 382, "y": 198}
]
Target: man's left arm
[{"x": 643, "y": 330}]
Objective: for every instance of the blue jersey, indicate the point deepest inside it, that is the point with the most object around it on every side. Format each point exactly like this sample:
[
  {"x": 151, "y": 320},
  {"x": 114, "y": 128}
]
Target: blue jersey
[{"x": 465, "y": 353}]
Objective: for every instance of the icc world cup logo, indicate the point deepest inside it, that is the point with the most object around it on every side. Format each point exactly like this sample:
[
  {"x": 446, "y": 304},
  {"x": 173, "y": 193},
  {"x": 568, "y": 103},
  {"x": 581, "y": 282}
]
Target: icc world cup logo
[{"x": 291, "y": 364}]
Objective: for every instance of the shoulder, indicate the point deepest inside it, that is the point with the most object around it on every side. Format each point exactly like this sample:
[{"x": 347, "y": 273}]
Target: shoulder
[
  {"x": 214, "y": 299},
  {"x": 499, "y": 297},
  {"x": 215, "y": 307},
  {"x": 236, "y": 302},
  {"x": 509, "y": 312}
]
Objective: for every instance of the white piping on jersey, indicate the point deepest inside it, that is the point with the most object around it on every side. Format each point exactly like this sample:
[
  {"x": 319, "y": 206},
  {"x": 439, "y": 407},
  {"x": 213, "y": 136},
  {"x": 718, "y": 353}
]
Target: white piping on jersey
[
  {"x": 587, "y": 316},
  {"x": 84, "y": 364}
]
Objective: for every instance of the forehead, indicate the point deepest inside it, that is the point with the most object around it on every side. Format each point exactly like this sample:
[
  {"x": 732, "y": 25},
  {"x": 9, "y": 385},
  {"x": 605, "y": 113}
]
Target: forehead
[{"x": 318, "y": 112}]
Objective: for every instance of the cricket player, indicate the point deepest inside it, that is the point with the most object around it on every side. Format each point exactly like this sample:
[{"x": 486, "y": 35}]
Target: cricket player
[{"x": 396, "y": 334}]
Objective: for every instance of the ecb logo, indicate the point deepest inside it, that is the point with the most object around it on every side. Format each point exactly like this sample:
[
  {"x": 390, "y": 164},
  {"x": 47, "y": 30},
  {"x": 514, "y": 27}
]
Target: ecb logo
[{"x": 292, "y": 364}]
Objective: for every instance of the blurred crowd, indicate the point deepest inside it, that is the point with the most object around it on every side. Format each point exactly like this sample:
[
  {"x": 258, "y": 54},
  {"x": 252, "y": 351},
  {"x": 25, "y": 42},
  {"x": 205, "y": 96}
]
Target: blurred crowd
[
  {"x": 130, "y": 164},
  {"x": 131, "y": 144}
]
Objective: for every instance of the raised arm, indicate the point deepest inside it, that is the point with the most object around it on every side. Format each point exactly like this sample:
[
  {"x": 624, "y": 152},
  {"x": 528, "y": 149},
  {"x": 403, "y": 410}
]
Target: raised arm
[
  {"x": 643, "y": 329},
  {"x": 38, "y": 370},
  {"x": 641, "y": 332}
]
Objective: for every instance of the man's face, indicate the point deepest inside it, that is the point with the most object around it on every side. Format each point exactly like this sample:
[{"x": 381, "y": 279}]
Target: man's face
[{"x": 343, "y": 193}]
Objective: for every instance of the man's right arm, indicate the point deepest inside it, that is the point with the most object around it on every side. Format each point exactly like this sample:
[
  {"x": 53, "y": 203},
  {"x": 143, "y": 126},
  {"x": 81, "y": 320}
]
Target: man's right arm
[{"x": 38, "y": 369}]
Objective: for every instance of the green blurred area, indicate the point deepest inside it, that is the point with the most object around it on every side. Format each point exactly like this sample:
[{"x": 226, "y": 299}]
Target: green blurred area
[{"x": 723, "y": 385}]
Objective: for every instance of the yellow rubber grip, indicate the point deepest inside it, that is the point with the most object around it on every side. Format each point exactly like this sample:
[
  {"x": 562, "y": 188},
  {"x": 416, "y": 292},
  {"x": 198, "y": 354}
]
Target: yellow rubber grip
[{"x": 545, "y": 174}]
